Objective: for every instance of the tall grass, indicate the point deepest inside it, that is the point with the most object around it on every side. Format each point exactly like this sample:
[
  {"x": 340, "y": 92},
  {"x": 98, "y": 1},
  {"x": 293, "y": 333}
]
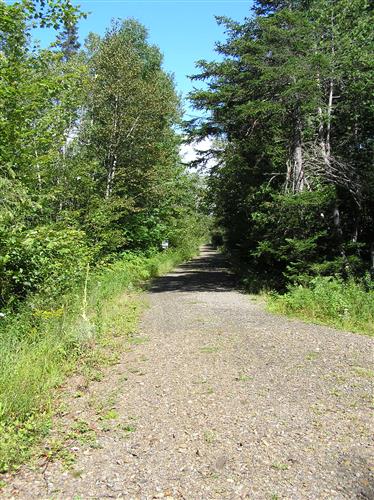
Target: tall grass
[
  {"x": 348, "y": 305},
  {"x": 39, "y": 348}
]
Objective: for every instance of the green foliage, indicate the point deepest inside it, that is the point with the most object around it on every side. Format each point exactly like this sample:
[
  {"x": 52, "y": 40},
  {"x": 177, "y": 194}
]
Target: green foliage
[
  {"x": 42, "y": 259},
  {"x": 293, "y": 238},
  {"x": 344, "y": 304},
  {"x": 89, "y": 164}
]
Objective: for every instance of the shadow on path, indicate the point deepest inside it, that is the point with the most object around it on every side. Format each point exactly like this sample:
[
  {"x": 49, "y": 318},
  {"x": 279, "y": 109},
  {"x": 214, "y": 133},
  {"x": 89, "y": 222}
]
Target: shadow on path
[{"x": 207, "y": 273}]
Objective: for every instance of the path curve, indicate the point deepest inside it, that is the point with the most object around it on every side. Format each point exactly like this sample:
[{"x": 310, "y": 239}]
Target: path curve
[{"x": 222, "y": 400}]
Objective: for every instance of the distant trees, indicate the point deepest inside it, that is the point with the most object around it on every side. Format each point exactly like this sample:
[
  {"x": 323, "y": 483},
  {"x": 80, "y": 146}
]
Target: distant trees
[{"x": 291, "y": 103}]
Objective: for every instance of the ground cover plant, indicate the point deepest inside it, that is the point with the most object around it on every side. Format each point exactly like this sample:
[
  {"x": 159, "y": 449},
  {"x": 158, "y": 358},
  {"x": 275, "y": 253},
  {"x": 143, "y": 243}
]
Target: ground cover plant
[{"x": 348, "y": 305}]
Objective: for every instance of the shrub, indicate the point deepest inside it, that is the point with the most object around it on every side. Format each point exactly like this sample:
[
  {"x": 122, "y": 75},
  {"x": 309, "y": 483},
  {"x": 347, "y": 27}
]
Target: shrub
[
  {"x": 330, "y": 300},
  {"x": 45, "y": 259}
]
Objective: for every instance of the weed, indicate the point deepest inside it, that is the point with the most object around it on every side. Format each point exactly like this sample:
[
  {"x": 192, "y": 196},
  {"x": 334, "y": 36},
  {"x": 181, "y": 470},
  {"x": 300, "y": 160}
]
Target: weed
[
  {"x": 311, "y": 356},
  {"x": 214, "y": 475},
  {"x": 128, "y": 428},
  {"x": 19, "y": 437},
  {"x": 94, "y": 375},
  {"x": 82, "y": 432},
  {"x": 279, "y": 466},
  {"x": 208, "y": 349},
  {"x": 57, "y": 450},
  {"x": 363, "y": 372},
  {"x": 105, "y": 427},
  {"x": 81, "y": 427},
  {"x": 110, "y": 415},
  {"x": 243, "y": 378},
  {"x": 209, "y": 437}
]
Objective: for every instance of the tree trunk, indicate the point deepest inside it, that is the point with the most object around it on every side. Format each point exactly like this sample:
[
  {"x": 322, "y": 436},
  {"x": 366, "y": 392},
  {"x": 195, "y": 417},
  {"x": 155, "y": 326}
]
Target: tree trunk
[
  {"x": 298, "y": 176},
  {"x": 112, "y": 156},
  {"x": 111, "y": 174},
  {"x": 328, "y": 124}
]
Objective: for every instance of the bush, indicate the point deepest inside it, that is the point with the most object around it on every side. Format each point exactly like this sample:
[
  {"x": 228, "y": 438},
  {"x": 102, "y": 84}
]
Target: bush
[
  {"x": 42, "y": 260},
  {"x": 344, "y": 304}
]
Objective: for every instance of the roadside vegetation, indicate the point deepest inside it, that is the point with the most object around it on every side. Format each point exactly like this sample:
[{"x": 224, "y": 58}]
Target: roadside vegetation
[
  {"x": 40, "y": 347},
  {"x": 347, "y": 305},
  {"x": 288, "y": 106},
  {"x": 91, "y": 184}
]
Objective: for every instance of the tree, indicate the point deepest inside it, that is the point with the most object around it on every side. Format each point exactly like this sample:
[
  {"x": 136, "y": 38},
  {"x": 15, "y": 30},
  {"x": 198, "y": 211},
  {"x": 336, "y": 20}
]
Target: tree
[
  {"x": 131, "y": 108},
  {"x": 68, "y": 41},
  {"x": 89, "y": 163},
  {"x": 282, "y": 101}
]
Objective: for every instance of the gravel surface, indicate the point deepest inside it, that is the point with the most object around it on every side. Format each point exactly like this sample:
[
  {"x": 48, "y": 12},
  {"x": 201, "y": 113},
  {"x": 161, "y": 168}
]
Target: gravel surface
[{"x": 217, "y": 398}]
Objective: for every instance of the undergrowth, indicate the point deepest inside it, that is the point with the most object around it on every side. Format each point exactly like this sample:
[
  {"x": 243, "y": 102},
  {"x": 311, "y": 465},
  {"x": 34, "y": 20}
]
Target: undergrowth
[
  {"x": 40, "y": 346},
  {"x": 347, "y": 305}
]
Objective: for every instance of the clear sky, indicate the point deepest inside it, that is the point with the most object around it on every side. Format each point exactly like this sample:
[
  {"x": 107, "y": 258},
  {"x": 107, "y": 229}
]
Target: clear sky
[{"x": 185, "y": 30}]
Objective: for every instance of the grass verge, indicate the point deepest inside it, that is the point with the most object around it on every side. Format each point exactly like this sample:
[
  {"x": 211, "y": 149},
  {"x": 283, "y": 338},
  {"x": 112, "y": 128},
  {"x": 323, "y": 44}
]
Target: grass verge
[
  {"x": 40, "y": 348},
  {"x": 347, "y": 305}
]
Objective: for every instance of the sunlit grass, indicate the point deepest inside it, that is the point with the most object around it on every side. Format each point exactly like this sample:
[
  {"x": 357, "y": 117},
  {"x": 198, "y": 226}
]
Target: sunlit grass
[{"x": 347, "y": 305}]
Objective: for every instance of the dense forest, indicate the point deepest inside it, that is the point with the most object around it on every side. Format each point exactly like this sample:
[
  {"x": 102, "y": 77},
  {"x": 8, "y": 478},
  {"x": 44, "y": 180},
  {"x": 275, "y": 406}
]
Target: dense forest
[{"x": 290, "y": 109}]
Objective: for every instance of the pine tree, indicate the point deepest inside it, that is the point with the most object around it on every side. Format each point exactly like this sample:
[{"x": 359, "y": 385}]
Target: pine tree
[{"x": 68, "y": 40}]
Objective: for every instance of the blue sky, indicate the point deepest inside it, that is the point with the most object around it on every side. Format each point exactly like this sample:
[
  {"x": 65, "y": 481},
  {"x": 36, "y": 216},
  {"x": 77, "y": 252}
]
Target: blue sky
[{"x": 185, "y": 30}]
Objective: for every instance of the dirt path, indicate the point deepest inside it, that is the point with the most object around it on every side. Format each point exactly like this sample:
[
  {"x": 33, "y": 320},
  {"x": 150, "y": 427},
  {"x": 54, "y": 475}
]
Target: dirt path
[{"x": 220, "y": 399}]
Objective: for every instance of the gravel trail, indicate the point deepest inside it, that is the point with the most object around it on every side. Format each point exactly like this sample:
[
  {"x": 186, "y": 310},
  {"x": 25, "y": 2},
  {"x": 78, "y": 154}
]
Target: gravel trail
[{"x": 219, "y": 399}]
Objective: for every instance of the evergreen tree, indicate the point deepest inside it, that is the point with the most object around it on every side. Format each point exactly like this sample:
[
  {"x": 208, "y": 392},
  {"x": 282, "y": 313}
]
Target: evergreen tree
[
  {"x": 292, "y": 187},
  {"x": 68, "y": 41}
]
